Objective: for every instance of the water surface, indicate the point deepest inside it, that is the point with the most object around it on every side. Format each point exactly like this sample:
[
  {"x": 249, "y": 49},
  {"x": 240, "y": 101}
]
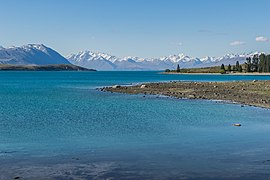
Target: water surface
[{"x": 57, "y": 125}]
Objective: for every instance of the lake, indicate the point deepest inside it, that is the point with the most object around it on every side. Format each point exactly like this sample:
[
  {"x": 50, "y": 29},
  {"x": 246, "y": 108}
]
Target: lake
[{"x": 56, "y": 125}]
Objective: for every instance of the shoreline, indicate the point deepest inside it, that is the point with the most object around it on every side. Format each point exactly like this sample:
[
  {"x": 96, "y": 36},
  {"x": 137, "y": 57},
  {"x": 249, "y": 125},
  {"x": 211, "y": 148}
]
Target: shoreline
[
  {"x": 51, "y": 67},
  {"x": 243, "y": 74},
  {"x": 251, "y": 93}
]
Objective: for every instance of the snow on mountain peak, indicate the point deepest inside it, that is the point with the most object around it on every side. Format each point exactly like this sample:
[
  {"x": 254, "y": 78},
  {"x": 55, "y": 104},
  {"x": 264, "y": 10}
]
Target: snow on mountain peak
[
  {"x": 91, "y": 56},
  {"x": 39, "y": 47},
  {"x": 31, "y": 54},
  {"x": 103, "y": 61}
]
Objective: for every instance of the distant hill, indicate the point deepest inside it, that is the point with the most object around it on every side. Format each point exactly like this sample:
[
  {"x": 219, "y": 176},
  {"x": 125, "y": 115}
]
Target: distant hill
[
  {"x": 31, "y": 54},
  {"x": 54, "y": 67}
]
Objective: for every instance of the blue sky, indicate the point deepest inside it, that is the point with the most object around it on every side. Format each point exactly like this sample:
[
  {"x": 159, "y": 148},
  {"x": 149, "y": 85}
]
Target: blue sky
[{"x": 144, "y": 28}]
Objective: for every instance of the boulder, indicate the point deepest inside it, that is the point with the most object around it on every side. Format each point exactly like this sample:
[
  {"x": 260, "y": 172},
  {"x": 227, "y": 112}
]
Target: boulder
[
  {"x": 143, "y": 86},
  {"x": 116, "y": 86},
  {"x": 191, "y": 96}
]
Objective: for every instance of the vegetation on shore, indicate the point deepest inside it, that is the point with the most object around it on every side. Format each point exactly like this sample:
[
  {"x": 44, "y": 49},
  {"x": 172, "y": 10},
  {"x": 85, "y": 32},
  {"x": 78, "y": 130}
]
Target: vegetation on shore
[
  {"x": 56, "y": 67},
  {"x": 214, "y": 69},
  {"x": 255, "y": 93},
  {"x": 256, "y": 64}
]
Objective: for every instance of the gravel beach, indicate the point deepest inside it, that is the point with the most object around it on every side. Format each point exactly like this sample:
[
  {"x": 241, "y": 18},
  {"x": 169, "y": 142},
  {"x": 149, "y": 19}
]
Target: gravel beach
[{"x": 255, "y": 93}]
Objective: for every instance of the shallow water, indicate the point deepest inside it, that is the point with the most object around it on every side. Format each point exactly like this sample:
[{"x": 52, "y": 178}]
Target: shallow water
[{"x": 57, "y": 125}]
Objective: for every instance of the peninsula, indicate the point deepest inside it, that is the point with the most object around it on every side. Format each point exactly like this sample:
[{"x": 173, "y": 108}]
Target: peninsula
[
  {"x": 53, "y": 67},
  {"x": 255, "y": 93}
]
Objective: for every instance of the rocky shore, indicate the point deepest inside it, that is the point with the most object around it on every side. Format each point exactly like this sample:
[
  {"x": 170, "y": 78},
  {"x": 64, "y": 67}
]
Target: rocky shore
[{"x": 255, "y": 93}]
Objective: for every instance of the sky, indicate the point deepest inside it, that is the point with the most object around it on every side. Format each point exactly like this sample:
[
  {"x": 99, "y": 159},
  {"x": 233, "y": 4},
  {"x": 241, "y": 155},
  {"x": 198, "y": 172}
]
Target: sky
[{"x": 143, "y": 28}]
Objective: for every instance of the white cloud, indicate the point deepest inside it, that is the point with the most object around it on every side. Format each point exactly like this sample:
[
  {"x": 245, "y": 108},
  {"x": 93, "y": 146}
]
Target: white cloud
[
  {"x": 179, "y": 44},
  {"x": 262, "y": 39},
  {"x": 237, "y": 43}
]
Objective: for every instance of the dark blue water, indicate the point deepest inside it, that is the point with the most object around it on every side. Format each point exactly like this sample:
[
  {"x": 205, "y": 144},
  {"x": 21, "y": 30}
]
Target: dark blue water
[{"x": 56, "y": 125}]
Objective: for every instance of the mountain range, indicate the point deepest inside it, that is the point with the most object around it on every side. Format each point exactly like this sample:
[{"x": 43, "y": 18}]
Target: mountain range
[
  {"x": 39, "y": 54},
  {"x": 102, "y": 61}
]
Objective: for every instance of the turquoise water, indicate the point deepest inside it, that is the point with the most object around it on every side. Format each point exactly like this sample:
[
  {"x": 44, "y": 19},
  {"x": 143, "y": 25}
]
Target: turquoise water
[{"x": 57, "y": 125}]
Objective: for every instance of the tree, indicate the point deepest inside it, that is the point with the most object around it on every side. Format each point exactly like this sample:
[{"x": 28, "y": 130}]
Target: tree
[
  {"x": 237, "y": 66},
  {"x": 229, "y": 67},
  {"x": 233, "y": 68},
  {"x": 248, "y": 60},
  {"x": 262, "y": 63},
  {"x": 248, "y": 68},
  {"x": 178, "y": 68},
  {"x": 167, "y": 70},
  {"x": 255, "y": 62},
  {"x": 240, "y": 68},
  {"x": 222, "y": 67},
  {"x": 248, "y": 64},
  {"x": 267, "y": 63}
]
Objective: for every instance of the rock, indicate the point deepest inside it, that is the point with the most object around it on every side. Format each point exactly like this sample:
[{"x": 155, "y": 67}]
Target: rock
[
  {"x": 116, "y": 86},
  {"x": 237, "y": 124},
  {"x": 191, "y": 96},
  {"x": 255, "y": 80},
  {"x": 143, "y": 86},
  {"x": 17, "y": 177},
  {"x": 263, "y": 101}
]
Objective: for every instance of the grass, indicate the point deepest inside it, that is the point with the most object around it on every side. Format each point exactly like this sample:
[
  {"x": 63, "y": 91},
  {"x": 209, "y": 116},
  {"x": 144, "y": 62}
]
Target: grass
[{"x": 214, "y": 69}]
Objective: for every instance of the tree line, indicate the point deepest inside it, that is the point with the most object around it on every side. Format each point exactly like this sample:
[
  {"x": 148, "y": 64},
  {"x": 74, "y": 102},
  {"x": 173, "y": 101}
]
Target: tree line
[{"x": 257, "y": 63}]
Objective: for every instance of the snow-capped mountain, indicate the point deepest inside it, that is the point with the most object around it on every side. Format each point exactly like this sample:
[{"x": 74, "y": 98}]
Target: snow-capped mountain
[
  {"x": 102, "y": 61},
  {"x": 35, "y": 54},
  {"x": 31, "y": 54},
  {"x": 88, "y": 59}
]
